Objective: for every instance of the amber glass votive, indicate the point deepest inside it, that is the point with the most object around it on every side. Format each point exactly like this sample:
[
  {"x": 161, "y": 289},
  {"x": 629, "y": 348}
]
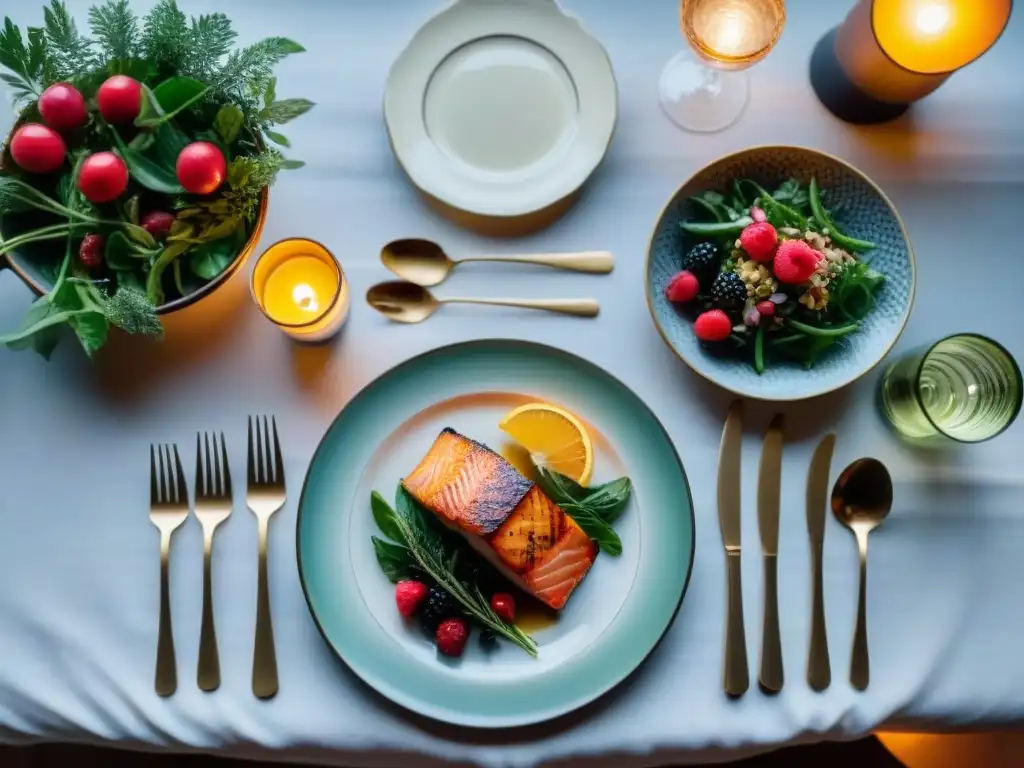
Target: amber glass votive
[{"x": 301, "y": 288}]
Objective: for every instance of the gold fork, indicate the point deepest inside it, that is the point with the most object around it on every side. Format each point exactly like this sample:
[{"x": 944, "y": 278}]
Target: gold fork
[
  {"x": 213, "y": 505},
  {"x": 168, "y": 509},
  {"x": 265, "y": 496}
]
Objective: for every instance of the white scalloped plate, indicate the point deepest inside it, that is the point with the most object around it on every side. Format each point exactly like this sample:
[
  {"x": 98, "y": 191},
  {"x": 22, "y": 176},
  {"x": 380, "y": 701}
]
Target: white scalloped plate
[{"x": 501, "y": 108}]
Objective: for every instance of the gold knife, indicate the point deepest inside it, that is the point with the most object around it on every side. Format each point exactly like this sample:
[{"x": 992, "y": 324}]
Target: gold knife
[
  {"x": 769, "y": 486},
  {"x": 737, "y": 677},
  {"x": 819, "y": 673}
]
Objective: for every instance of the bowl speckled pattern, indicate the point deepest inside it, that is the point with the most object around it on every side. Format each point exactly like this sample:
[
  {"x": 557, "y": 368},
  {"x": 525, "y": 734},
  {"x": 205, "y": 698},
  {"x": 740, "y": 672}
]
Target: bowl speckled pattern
[{"x": 866, "y": 213}]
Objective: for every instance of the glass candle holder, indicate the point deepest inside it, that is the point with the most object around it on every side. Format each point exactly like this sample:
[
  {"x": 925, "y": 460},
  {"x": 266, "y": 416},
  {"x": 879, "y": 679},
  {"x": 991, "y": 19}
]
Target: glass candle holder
[
  {"x": 300, "y": 287},
  {"x": 706, "y": 88},
  {"x": 964, "y": 388},
  {"x": 888, "y": 54}
]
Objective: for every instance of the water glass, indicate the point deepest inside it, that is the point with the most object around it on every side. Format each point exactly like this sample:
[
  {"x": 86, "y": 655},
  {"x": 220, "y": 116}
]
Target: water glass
[{"x": 964, "y": 388}]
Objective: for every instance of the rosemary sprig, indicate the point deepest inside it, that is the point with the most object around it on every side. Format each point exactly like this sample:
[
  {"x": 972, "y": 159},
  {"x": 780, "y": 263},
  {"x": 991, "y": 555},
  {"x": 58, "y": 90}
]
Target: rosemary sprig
[{"x": 437, "y": 559}]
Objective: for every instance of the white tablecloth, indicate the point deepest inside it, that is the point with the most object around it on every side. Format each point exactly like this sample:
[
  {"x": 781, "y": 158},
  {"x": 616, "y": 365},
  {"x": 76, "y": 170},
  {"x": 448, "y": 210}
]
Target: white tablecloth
[{"x": 78, "y": 556}]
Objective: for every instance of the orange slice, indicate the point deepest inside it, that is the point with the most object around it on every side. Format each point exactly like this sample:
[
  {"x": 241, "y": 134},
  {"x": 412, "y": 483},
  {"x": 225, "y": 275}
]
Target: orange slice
[{"x": 555, "y": 439}]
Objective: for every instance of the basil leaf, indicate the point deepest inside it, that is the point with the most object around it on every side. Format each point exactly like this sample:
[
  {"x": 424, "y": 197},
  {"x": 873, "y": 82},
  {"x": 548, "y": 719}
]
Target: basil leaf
[
  {"x": 210, "y": 259},
  {"x": 597, "y": 529},
  {"x": 609, "y": 501},
  {"x": 149, "y": 174},
  {"x": 384, "y": 516},
  {"x": 169, "y": 141},
  {"x": 395, "y": 560},
  {"x": 277, "y": 138},
  {"x": 228, "y": 123},
  {"x": 177, "y": 92},
  {"x": 92, "y": 329}
]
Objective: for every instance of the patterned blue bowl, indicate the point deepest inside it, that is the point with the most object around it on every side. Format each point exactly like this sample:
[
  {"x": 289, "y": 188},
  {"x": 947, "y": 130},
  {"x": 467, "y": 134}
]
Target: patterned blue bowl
[{"x": 866, "y": 213}]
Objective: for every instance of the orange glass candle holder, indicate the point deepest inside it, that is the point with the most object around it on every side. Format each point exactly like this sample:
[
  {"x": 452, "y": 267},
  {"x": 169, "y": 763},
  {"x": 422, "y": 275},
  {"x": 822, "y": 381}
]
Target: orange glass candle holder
[
  {"x": 888, "y": 54},
  {"x": 301, "y": 288}
]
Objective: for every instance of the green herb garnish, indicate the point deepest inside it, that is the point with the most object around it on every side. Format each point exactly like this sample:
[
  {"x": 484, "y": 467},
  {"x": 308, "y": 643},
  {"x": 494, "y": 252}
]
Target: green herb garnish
[
  {"x": 594, "y": 509},
  {"x": 418, "y": 546}
]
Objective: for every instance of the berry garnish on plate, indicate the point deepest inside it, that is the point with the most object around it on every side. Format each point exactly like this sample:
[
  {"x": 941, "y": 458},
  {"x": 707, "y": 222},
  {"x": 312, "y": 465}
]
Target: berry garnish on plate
[
  {"x": 703, "y": 261},
  {"x": 409, "y": 595},
  {"x": 684, "y": 286},
  {"x": 759, "y": 241},
  {"x": 503, "y": 604},
  {"x": 795, "y": 262},
  {"x": 713, "y": 325},
  {"x": 729, "y": 291},
  {"x": 451, "y": 637},
  {"x": 439, "y": 606}
]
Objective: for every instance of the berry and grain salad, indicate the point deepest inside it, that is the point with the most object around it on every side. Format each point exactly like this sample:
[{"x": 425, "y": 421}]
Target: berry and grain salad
[{"x": 772, "y": 277}]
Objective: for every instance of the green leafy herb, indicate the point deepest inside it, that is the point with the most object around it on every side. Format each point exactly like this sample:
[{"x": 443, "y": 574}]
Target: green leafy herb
[
  {"x": 395, "y": 560},
  {"x": 228, "y": 123},
  {"x": 434, "y": 554},
  {"x": 25, "y": 60},
  {"x": 594, "y": 509},
  {"x": 68, "y": 54},
  {"x": 116, "y": 30}
]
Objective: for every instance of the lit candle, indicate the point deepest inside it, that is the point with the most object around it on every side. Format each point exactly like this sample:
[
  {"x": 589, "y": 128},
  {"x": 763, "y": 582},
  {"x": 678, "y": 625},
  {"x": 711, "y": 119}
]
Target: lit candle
[
  {"x": 300, "y": 287},
  {"x": 890, "y": 53}
]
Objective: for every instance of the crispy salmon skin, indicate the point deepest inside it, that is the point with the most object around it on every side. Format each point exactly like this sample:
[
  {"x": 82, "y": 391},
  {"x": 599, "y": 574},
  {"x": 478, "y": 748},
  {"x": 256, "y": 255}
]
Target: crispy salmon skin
[{"x": 467, "y": 484}]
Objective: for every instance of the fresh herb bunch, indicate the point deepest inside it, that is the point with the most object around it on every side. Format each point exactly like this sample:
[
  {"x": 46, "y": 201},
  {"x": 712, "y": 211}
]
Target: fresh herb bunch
[
  {"x": 418, "y": 547},
  {"x": 194, "y": 87},
  {"x": 771, "y": 317}
]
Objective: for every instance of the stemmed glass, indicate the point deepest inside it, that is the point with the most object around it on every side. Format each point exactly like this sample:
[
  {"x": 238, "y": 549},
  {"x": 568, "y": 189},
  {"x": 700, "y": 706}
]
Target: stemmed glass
[{"x": 707, "y": 89}]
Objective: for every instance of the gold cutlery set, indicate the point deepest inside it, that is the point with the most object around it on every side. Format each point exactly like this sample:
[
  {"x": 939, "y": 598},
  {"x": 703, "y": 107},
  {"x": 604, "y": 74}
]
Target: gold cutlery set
[
  {"x": 860, "y": 500},
  {"x": 422, "y": 264},
  {"x": 214, "y": 502}
]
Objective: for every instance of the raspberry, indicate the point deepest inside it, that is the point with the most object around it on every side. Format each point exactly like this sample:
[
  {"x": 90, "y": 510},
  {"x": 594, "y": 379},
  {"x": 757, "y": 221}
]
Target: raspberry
[
  {"x": 684, "y": 286},
  {"x": 765, "y": 308},
  {"x": 409, "y": 595},
  {"x": 504, "y": 605},
  {"x": 90, "y": 252},
  {"x": 713, "y": 325},
  {"x": 451, "y": 637},
  {"x": 759, "y": 241},
  {"x": 158, "y": 223},
  {"x": 795, "y": 262}
]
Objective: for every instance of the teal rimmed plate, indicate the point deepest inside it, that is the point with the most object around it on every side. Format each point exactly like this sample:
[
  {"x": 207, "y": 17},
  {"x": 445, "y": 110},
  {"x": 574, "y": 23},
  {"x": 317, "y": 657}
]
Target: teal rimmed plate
[{"x": 614, "y": 619}]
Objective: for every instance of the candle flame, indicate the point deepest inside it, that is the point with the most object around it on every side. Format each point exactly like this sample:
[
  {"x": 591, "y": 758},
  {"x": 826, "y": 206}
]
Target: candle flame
[
  {"x": 932, "y": 18},
  {"x": 305, "y": 297}
]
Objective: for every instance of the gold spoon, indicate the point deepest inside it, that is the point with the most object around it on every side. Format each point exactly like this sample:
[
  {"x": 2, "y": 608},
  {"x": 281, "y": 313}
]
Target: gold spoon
[
  {"x": 861, "y": 500},
  {"x": 410, "y": 303},
  {"x": 425, "y": 263}
]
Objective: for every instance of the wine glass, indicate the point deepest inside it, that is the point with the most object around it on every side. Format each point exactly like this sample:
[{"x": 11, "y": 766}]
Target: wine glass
[{"x": 707, "y": 89}]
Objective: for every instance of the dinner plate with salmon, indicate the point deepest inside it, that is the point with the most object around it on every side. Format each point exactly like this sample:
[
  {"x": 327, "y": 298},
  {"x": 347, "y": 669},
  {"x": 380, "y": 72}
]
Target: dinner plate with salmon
[{"x": 495, "y": 533}]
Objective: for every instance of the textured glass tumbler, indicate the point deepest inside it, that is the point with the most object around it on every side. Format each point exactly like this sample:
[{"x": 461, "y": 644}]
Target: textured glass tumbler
[{"x": 964, "y": 388}]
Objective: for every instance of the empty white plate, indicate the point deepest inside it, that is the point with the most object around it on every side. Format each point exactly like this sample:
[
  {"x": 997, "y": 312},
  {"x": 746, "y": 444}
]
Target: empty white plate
[{"x": 501, "y": 108}]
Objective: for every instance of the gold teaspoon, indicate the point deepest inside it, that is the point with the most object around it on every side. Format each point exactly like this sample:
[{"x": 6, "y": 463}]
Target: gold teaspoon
[
  {"x": 425, "y": 263},
  {"x": 409, "y": 303},
  {"x": 861, "y": 500}
]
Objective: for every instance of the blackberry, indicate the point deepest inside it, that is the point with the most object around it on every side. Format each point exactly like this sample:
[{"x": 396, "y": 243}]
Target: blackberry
[
  {"x": 703, "y": 260},
  {"x": 438, "y": 606},
  {"x": 728, "y": 291}
]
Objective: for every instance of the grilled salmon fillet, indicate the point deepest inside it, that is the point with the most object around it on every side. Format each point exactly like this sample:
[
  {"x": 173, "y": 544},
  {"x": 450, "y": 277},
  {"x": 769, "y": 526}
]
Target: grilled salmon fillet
[
  {"x": 468, "y": 485},
  {"x": 544, "y": 547},
  {"x": 504, "y": 516}
]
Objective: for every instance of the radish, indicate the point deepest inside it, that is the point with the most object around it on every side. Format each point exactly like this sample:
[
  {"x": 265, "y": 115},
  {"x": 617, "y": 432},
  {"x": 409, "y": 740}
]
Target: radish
[
  {"x": 103, "y": 177},
  {"x": 63, "y": 107},
  {"x": 119, "y": 99},
  {"x": 38, "y": 149},
  {"x": 158, "y": 223},
  {"x": 201, "y": 168}
]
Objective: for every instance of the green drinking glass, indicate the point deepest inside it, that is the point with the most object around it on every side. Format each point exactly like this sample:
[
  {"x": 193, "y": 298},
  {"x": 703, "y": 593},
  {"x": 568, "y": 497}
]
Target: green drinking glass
[{"x": 964, "y": 388}]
